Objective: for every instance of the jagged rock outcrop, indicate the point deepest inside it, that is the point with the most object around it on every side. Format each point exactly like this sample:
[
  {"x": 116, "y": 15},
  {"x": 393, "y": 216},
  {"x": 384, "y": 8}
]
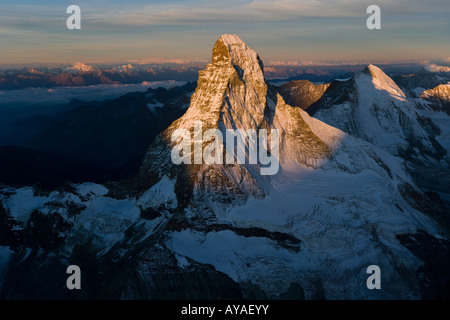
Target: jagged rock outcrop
[{"x": 438, "y": 98}]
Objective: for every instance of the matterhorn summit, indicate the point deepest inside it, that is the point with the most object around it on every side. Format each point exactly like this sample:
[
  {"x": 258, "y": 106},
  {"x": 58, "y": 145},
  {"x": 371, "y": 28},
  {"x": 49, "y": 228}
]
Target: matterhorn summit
[{"x": 233, "y": 95}]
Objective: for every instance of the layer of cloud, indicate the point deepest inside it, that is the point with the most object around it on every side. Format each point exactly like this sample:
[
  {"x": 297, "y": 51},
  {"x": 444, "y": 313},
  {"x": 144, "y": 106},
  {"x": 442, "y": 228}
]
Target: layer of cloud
[
  {"x": 345, "y": 8},
  {"x": 37, "y": 17},
  {"x": 308, "y": 8},
  {"x": 211, "y": 12},
  {"x": 135, "y": 30},
  {"x": 444, "y": 62},
  {"x": 60, "y": 95}
]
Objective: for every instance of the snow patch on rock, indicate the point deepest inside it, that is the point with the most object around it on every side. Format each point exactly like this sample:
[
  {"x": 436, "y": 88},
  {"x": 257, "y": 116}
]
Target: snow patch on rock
[{"x": 162, "y": 193}]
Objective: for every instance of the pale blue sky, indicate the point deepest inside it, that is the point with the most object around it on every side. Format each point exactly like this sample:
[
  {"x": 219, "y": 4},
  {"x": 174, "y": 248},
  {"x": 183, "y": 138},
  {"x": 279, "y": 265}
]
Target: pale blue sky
[{"x": 288, "y": 30}]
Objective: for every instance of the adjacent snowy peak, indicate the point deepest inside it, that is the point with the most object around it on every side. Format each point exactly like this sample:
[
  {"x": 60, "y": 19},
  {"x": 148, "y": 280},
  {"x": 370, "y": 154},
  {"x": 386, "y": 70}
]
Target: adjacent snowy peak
[
  {"x": 381, "y": 81},
  {"x": 371, "y": 106}
]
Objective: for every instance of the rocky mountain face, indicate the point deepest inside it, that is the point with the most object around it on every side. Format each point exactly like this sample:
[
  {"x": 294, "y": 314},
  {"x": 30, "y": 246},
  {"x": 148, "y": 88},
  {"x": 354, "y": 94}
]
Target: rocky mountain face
[
  {"x": 302, "y": 93},
  {"x": 438, "y": 98},
  {"x": 340, "y": 200},
  {"x": 232, "y": 94}
]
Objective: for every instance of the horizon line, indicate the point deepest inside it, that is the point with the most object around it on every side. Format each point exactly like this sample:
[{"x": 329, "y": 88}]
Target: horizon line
[{"x": 269, "y": 63}]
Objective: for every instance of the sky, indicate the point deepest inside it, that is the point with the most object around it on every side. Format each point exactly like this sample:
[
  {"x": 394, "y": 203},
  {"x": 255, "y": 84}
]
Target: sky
[{"x": 280, "y": 31}]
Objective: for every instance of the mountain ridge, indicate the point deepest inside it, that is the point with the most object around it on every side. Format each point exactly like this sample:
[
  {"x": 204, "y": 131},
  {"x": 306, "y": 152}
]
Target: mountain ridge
[{"x": 354, "y": 106}]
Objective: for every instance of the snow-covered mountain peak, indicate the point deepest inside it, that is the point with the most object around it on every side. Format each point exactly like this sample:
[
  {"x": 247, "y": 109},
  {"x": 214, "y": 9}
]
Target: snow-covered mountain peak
[
  {"x": 232, "y": 94},
  {"x": 371, "y": 106},
  {"x": 441, "y": 92},
  {"x": 437, "y": 98},
  {"x": 125, "y": 68},
  {"x": 81, "y": 67},
  {"x": 237, "y": 70},
  {"x": 381, "y": 81},
  {"x": 245, "y": 60}
]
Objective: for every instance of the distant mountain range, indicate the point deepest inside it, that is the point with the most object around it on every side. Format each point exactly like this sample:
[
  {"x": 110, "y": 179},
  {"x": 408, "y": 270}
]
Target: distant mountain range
[{"x": 80, "y": 74}]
